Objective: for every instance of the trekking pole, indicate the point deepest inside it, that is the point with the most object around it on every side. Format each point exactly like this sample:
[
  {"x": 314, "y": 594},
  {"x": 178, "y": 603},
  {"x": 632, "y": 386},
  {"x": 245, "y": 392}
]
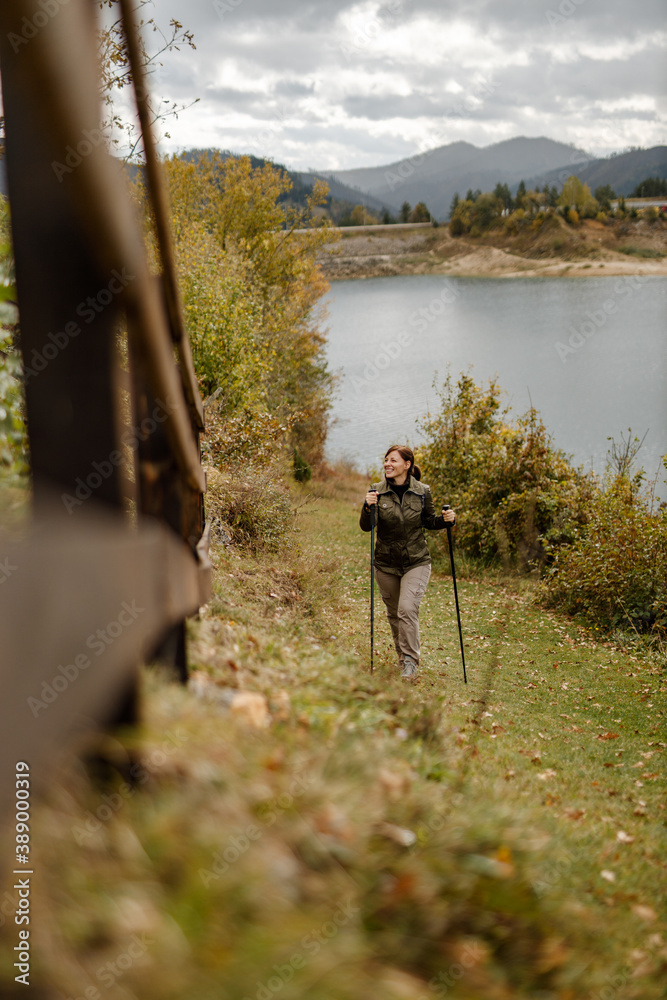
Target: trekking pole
[
  {"x": 373, "y": 515},
  {"x": 456, "y": 596}
]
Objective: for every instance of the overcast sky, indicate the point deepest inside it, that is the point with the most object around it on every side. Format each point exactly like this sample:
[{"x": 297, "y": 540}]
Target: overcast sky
[{"x": 336, "y": 83}]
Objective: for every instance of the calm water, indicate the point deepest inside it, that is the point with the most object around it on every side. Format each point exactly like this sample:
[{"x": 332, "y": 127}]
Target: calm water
[{"x": 591, "y": 354}]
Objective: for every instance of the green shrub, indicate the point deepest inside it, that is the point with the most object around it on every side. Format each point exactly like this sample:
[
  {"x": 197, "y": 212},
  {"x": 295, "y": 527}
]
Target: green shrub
[
  {"x": 647, "y": 252},
  {"x": 253, "y": 507},
  {"x": 615, "y": 573},
  {"x": 517, "y": 496},
  {"x": 302, "y": 471},
  {"x": 456, "y": 226},
  {"x": 242, "y": 436},
  {"x": 650, "y": 214}
]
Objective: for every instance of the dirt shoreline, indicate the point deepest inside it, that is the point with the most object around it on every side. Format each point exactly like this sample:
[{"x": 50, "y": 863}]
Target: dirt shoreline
[{"x": 434, "y": 251}]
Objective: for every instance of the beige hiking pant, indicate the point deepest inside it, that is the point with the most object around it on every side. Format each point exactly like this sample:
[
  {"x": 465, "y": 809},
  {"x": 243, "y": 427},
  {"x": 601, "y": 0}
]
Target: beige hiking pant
[{"x": 402, "y": 596}]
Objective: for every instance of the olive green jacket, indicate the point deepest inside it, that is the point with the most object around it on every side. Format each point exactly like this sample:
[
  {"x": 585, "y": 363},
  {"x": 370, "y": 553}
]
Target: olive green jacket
[{"x": 400, "y": 542}]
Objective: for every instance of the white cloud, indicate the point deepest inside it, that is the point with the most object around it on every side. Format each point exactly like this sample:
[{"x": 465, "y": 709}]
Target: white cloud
[{"x": 337, "y": 83}]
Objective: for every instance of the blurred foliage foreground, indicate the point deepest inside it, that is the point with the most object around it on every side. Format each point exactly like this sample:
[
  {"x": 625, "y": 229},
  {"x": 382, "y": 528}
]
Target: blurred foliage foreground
[{"x": 291, "y": 826}]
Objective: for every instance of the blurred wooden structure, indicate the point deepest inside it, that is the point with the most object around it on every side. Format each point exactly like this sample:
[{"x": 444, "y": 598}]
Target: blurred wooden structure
[{"x": 90, "y": 593}]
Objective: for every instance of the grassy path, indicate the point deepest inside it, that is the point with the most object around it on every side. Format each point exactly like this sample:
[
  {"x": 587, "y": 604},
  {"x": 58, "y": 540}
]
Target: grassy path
[{"x": 339, "y": 836}]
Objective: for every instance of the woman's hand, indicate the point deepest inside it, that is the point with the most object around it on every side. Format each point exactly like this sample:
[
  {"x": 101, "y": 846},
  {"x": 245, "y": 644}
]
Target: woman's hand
[
  {"x": 449, "y": 515},
  {"x": 371, "y": 497}
]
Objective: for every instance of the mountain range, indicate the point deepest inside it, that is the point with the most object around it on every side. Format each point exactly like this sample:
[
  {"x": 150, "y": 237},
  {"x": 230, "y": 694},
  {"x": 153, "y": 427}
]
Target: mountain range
[{"x": 435, "y": 175}]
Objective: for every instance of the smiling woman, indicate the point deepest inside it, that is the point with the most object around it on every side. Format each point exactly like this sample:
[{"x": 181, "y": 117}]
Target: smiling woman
[{"x": 402, "y": 507}]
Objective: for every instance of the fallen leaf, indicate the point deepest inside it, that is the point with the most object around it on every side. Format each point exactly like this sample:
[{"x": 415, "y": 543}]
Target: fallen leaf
[
  {"x": 395, "y": 784},
  {"x": 607, "y": 875},
  {"x": 624, "y": 838},
  {"x": 504, "y": 854},
  {"x": 646, "y": 913},
  {"x": 607, "y": 736},
  {"x": 549, "y": 773},
  {"x": 250, "y": 707},
  {"x": 406, "y": 838},
  {"x": 575, "y": 813}
]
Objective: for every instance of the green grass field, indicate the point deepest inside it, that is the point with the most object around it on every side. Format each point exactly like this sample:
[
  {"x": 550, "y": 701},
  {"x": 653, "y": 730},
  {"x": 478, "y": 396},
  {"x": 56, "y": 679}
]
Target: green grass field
[{"x": 342, "y": 836}]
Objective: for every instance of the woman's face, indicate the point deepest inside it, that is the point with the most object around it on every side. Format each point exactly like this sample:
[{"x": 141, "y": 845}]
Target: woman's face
[{"x": 395, "y": 465}]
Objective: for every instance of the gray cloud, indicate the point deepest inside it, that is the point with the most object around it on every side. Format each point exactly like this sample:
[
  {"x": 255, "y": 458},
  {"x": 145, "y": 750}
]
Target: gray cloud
[{"x": 336, "y": 76}]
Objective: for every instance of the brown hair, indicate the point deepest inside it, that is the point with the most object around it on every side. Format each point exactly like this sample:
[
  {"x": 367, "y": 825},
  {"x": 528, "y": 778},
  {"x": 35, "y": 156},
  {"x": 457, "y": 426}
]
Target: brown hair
[{"x": 408, "y": 455}]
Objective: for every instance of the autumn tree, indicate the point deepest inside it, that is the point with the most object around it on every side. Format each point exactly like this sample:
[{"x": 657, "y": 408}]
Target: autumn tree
[
  {"x": 604, "y": 195},
  {"x": 420, "y": 213},
  {"x": 251, "y": 289},
  {"x": 116, "y": 76},
  {"x": 502, "y": 193},
  {"x": 575, "y": 194},
  {"x": 520, "y": 194}
]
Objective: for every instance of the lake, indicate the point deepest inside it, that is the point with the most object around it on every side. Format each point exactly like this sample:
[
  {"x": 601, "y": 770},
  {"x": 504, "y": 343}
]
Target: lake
[{"x": 590, "y": 353}]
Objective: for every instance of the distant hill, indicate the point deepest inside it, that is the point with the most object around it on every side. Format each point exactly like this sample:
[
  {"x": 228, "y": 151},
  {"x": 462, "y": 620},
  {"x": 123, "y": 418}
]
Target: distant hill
[
  {"x": 622, "y": 172},
  {"x": 341, "y": 197},
  {"x": 437, "y": 174},
  {"x": 344, "y": 193}
]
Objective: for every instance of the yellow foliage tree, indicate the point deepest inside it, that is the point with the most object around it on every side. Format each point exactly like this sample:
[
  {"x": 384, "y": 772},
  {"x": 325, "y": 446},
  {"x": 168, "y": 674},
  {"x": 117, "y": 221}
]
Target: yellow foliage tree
[
  {"x": 251, "y": 286},
  {"x": 575, "y": 193}
]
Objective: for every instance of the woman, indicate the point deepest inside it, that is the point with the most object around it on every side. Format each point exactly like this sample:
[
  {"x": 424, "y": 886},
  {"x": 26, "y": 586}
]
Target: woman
[{"x": 402, "y": 561}]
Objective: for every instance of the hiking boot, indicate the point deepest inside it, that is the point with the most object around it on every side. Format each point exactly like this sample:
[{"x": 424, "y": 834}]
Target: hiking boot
[{"x": 409, "y": 667}]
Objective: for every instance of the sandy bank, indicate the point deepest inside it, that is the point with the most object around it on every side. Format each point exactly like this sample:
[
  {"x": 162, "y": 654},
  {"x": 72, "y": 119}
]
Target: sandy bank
[{"x": 429, "y": 251}]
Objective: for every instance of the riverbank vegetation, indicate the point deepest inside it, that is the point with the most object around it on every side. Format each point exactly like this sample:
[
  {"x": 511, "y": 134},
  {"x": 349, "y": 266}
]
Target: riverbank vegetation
[
  {"x": 532, "y": 210},
  {"x": 598, "y": 544},
  {"x": 291, "y": 825},
  {"x": 251, "y": 291}
]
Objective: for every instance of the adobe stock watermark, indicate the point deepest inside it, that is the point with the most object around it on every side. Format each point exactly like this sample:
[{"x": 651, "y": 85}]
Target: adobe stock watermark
[
  {"x": 437, "y": 822},
  {"x": 108, "y": 974},
  {"x": 101, "y": 471},
  {"x": 615, "y": 981},
  {"x": 463, "y": 109},
  {"x": 87, "y": 312},
  {"x": 565, "y": 10},
  {"x": 419, "y": 320},
  {"x": 596, "y": 319},
  {"x": 139, "y": 774},
  {"x": 440, "y": 985},
  {"x": 386, "y": 17},
  {"x": 74, "y": 156},
  {"x": 31, "y": 26},
  {"x": 553, "y": 872},
  {"x": 224, "y": 7},
  {"x": 311, "y": 943},
  {"x": 111, "y": 972},
  {"x": 6, "y": 570},
  {"x": 97, "y": 643},
  {"x": 238, "y": 844},
  {"x": 262, "y": 140}
]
